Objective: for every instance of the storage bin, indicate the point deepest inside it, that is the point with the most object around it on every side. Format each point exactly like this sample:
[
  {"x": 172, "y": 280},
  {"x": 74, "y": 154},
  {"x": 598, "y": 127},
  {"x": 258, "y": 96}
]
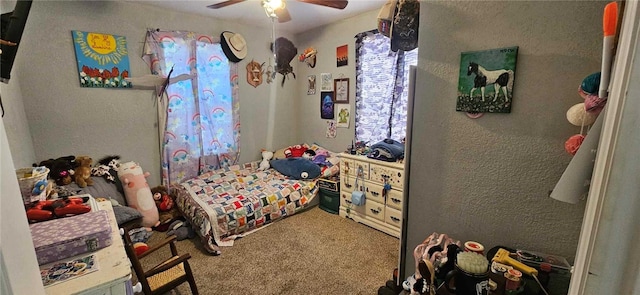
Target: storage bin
[
  {"x": 33, "y": 183},
  {"x": 65, "y": 237},
  {"x": 330, "y": 201}
]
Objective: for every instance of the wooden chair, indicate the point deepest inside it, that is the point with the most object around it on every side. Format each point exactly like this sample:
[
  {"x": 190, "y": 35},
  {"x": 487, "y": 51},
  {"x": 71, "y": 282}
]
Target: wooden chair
[{"x": 165, "y": 276}]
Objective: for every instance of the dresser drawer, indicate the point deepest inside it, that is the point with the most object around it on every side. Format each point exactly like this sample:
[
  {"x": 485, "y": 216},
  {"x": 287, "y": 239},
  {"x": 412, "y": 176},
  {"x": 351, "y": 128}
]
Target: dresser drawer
[
  {"x": 395, "y": 199},
  {"x": 374, "y": 209},
  {"x": 374, "y": 192},
  {"x": 347, "y": 183},
  {"x": 394, "y": 176},
  {"x": 351, "y": 167},
  {"x": 345, "y": 201},
  {"x": 393, "y": 217}
]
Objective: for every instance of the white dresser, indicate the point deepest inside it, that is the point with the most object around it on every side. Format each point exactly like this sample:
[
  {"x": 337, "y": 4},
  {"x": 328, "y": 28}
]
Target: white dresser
[
  {"x": 114, "y": 269},
  {"x": 382, "y": 210}
]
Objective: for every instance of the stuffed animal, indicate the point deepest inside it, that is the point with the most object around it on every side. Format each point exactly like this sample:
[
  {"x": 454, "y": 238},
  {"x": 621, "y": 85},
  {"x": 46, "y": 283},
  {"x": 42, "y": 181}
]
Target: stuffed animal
[
  {"x": 266, "y": 157},
  {"x": 309, "y": 154},
  {"x": 61, "y": 169},
  {"x": 137, "y": 192},
  {"x": 165, "y": 204},
  {"x": 295, "y": 151},
  {"x": 181, "y": 229},
  {"x": 82, "y": 175}
]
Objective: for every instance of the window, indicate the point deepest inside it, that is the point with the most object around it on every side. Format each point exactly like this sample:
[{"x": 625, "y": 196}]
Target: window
[
  {"x": 201, "y": 130},
  {"x": 382, "y": 78}
]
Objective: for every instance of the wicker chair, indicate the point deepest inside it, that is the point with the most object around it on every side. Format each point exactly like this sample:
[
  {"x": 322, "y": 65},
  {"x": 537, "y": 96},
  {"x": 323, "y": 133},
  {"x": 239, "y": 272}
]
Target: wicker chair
[{"x": 165, "y": 276}]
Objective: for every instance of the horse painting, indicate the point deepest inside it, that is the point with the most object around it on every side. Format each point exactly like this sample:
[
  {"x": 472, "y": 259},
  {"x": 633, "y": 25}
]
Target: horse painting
[{"x": 501, "y": 79}]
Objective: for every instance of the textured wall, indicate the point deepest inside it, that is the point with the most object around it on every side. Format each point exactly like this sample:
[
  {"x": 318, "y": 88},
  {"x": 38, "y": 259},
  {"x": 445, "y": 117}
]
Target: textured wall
[
  {"x": 487, "y": 179},
  {"x": 311, "y": 127},
  {"x": 66, "y": 119}
]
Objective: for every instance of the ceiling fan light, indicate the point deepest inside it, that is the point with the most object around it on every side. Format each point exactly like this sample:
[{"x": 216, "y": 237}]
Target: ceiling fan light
[{"x": 274, "y": 4}]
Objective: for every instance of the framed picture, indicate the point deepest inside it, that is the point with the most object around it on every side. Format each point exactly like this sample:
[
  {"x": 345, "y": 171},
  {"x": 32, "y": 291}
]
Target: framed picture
[
  {"x": 311, "y": 84},
  {"x": 342, "y": 113},
  {"x": 341, "y": 90},
  {"x": 326, "y": 105},
  {"x": 485, "y": 83},
  {"x": 325, "y": 80},
  {"x": 342, "y": 55},
  {"x": 102, "y": 59}
]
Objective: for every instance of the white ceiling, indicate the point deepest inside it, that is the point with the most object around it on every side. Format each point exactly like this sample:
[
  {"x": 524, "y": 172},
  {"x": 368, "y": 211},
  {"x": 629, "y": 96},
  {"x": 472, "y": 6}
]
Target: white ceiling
[{"x": 304, "y": 16}]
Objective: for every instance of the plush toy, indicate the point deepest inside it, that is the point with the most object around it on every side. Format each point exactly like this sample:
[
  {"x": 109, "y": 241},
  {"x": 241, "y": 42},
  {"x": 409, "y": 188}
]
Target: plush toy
[
  {"x": 137, "y": 192},
  {"x": 166, "y": 206},
  {"x": 61, "y": 169},
  {"x": 295, "y": 151},
  {"x": 266, "y": 157},
  {"x": 82, "y": 175},
  {"x": 181, "y": 229},
  {"x": 309, "y": 154}
]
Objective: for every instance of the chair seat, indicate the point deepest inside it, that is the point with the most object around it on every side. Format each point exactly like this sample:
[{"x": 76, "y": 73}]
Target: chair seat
[{"x": 158, "y": 280}]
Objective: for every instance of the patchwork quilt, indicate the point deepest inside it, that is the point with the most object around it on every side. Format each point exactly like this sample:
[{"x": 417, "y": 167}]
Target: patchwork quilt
[{"x": 224, "y": 204}]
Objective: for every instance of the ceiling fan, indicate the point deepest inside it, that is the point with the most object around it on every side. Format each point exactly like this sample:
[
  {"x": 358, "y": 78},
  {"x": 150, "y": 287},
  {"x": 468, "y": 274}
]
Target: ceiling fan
[{"x": 277, "y": 8}]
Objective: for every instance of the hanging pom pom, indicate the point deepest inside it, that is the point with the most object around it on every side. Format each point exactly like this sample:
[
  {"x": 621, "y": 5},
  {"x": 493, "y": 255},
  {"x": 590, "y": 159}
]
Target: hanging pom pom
[{"x": 573, "y": 143}]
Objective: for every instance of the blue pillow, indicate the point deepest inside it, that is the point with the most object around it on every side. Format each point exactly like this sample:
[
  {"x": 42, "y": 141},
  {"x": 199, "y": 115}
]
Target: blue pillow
[{"x": 296, "y": 168}]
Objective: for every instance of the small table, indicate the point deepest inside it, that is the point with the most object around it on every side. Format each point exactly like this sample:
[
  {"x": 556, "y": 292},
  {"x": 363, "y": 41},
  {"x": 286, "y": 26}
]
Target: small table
[{"x": 114, "y": 268}]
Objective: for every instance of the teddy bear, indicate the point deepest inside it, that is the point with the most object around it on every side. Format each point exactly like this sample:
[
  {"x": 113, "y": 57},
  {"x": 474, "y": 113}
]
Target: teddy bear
[
  {"x": 166, "y": 206},
  {"x": 82, "y": 175},
  {"x": 266, "y": 157}
]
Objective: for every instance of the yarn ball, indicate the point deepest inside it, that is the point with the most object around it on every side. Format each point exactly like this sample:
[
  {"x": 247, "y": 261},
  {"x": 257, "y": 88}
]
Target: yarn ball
[
  {"x": 573, "y": 143},
  {"x": 590, "y": 84},
  {"x": 578, "y": 116}
]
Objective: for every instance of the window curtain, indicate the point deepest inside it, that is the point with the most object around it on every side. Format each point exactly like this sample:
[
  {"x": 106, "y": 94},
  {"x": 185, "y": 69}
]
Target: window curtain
[
  {"x": 199, "y": 125},
  {"x": 381, "y": 88}
]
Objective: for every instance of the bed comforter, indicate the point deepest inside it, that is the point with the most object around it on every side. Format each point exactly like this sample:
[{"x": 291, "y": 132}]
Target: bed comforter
[{"x": 224, "y": 204}]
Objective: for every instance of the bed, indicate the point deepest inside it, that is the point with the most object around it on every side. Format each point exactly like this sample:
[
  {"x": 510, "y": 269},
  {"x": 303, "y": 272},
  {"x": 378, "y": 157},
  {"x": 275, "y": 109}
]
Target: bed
[{"x": 228, "y": 203}]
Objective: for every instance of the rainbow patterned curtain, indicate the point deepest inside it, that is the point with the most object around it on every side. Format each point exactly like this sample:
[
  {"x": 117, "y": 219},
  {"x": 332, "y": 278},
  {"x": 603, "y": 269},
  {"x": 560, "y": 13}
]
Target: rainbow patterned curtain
[{"x": 198, "y": 113}]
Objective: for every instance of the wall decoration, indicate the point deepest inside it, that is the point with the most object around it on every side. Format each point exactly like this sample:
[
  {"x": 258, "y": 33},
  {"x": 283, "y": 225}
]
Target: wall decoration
[
  {"x": 342, "y": 55},
  {"x": 326, "y": 105},
  {"x": 341, "y": 90},
  {"x": 254, "y": 73},
  {"x": 486, "y": 79},
  {"x": 311, "y": 84},
  {"x": 309, "y": 57},
  {"x": 343, "y": 115},
  {"x": 327, "y": 82},
  {"x": 103, "y": 60},
  {"x": 331, "y": 129},
  {"x": 285, "y": 52}
]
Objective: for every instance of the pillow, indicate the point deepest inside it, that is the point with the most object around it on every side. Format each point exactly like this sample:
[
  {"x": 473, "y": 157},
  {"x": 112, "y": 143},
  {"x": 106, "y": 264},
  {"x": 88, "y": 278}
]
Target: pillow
[
  {"x": 296, "y": 168},
  {"x": 101, "y": 188},
  {"x": 125, "y": 214}
]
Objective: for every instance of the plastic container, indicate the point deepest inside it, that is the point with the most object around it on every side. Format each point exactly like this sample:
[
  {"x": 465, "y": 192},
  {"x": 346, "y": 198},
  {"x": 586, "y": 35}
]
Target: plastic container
[{"x": 33, "y": 183}]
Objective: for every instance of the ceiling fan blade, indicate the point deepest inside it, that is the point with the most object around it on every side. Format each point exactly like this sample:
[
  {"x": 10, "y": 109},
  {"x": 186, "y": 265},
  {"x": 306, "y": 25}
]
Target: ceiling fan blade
[
  {"x": 283, "y": 15},
  {"x": 224, "y": 4},
  {"x": 338, "y": 4}
]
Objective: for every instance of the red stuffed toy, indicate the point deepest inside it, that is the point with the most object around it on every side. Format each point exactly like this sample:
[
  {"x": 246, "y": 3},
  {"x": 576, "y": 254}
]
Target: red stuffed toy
[
  {"x": 295, "y": 151},
  {"x": 166, "y": 207}
]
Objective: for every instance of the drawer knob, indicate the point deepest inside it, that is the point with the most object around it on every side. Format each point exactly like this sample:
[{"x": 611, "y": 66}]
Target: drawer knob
[
  {"x": 396, "y": 200},
  {"x": 375, "y": 211},
  {"x": 348, "y": 185},
  {"x": 395, "y": 219}
]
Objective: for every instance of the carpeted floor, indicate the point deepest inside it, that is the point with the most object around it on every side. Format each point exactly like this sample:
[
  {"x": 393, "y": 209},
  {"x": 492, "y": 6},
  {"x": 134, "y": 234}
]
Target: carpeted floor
[{"x": 313, "y": 252}]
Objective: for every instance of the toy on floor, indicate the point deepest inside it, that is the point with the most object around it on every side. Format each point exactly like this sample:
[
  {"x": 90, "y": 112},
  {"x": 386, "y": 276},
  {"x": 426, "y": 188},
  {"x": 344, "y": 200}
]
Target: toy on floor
[
  {"x": 82, "y": 175},
  {"x": 140, "y": 248},
  {"x": 138, "y": 193},
  {"x": 166, "y": 206},
  {"x": 266, "y": 157},
  {"x": 181, "y": 229}
]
